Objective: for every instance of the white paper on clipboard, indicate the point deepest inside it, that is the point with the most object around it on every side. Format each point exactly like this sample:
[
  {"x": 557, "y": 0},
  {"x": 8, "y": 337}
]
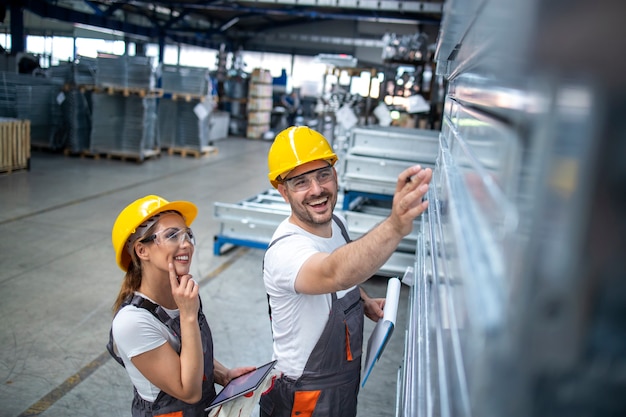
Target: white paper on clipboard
[{"x": 384, "y": 327}]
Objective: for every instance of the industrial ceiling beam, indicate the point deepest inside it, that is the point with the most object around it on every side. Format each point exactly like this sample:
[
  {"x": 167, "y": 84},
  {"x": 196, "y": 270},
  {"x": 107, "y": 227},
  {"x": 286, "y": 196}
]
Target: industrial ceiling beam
[
  {"x": 372, "y": 5},
  {"x": 186, "y": 22},
  {"x": 48, "y": 10},
  {"x": 404, "y": 12}
]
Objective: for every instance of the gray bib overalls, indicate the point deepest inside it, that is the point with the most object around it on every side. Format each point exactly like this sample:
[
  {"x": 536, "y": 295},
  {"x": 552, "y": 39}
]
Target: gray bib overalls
[
  {"x": 164, "y": 403},
  {"x": 329, "y": 384}
]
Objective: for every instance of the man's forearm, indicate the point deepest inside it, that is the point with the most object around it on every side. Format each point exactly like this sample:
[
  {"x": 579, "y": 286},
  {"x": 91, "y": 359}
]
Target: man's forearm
[{"x": 358, "y": 260}]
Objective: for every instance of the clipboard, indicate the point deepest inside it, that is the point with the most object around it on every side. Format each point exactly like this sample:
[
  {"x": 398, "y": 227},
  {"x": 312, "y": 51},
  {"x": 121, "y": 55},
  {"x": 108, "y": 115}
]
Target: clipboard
[
  {"x": 384, "y": 328},
  {"x": 242, "y": 385}
]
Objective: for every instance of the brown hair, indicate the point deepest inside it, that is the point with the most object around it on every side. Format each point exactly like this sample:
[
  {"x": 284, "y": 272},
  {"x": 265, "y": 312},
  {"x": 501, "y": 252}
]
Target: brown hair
[{"x": 132, "y": 279}]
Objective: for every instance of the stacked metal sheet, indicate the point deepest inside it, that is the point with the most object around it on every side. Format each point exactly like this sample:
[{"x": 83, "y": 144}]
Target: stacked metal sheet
[
  {"x": 517, "y": 304},
  {"x": 84, "y": 71},
  {"x": 181, "y": 79},
  {"x": 9, "y": 81},
  {"x": 79, "y": 73},
  {"x": 77, "y": 121},
  {"x": 183, "y": 127},
  {"x": 180, "y": 126},
  {"x": 38, "y": 104},
  {"x": 470, "y": 223},
  {"x": 77, "y": 78},
  {"x": 134, "y": 72},
  {"x": 124, "y": 125},
  {"x": 168, "y": 123}
]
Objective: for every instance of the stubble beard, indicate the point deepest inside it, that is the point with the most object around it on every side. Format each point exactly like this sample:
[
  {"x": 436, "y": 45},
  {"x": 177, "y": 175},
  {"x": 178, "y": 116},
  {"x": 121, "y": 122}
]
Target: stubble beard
[{"x": 302, "y": 212}]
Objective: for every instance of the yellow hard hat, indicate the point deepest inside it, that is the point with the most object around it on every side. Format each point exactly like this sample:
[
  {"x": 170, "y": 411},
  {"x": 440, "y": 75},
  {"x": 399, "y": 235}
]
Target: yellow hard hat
[
  {"x": 295, "y": 146},
  {"x": 138, "y": 212}
]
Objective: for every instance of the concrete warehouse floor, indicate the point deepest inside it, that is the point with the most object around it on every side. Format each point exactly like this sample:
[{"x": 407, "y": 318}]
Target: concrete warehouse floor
[{"x": 58, "y": 278}]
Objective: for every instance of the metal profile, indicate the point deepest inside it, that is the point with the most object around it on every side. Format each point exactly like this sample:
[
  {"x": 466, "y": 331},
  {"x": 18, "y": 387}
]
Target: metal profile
[{"x": 415, "y": 145}]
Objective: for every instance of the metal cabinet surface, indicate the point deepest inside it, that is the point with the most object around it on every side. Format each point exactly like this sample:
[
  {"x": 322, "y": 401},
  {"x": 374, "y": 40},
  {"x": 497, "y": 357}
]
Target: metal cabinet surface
[{"x": 516, "y": 305}]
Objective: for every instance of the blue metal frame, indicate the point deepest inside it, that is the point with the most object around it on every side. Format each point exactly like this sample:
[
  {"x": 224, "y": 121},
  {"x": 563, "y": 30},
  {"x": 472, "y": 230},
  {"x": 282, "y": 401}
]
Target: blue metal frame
[
  {"x": 350, "y": 196},
  {"x": 220, "y": 241}
]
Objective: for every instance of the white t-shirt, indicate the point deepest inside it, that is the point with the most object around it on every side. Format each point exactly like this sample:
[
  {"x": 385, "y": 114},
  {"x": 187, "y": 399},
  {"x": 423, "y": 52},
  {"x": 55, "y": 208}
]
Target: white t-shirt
[
  {"x": 297, "y": 319},
  {"x": 136, "y": 331}
]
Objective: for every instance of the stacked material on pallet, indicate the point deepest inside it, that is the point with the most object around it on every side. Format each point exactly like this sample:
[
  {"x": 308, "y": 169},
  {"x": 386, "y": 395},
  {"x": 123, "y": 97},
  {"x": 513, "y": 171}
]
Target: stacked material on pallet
[
  {"x": 79, "y": 73},
  {"x": 179, "y": 127},
  {"x": 84, "y": 71},
  {"x": 132, "y": 72},
  {"x": 76, "y": 132},
  {"x": 124, "y": 126},
  {"x": 185, "y": 80},
  {"x": 182, "y": 126},
  {"x": 38, "y": 104},
  {"x": 33, "y": 98},
  {"x": 187, "y": 120},
  {"x": 78, "y": 80}
]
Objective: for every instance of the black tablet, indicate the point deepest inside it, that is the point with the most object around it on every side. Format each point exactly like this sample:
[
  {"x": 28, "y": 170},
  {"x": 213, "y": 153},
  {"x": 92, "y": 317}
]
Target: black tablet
[{"x": 242, "y": 385}]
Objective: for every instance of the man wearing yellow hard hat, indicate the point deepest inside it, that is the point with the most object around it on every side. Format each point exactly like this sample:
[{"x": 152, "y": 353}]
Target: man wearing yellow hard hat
[
  {"x": 312, "y": 273},
  {"x": 159, "y": 332}
]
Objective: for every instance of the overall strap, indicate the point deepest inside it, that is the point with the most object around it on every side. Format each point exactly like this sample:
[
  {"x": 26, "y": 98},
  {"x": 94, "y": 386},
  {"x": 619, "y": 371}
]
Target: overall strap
[
  {"x": 344, "y": 233},
  {"x": 269, "y": 309},
  {"x": 111, "y": 349},
  {"x": 156, "y": 310},
  {"x": 277, "y": 239},
  {"x": 342, "y": 227}
]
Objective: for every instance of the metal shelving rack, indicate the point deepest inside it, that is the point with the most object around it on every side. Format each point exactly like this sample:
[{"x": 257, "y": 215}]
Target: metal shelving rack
[
  {"x": 516, "y": 307},
  {"x": 368, "y": 171}
]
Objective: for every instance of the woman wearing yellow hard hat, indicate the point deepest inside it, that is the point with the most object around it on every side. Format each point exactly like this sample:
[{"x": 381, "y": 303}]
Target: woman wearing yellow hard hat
[{"x": 159, "y": 332}]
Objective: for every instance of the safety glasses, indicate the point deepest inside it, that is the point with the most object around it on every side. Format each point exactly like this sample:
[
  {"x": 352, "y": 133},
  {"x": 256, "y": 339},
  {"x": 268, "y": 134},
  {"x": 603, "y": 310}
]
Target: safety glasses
[
  {"x": 304, "y": 181},
  {"x": 171, "y": 237}
]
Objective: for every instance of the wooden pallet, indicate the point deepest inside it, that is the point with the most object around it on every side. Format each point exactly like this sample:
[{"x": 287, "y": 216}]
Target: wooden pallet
[
  {"x": 43, "y": 147},
  {"x": 196, "y": 153},
  {"x": 69, "y": 152},
  {"x": 186, "y": 97},
  {"x": 122, "y": 156},
  {"x": 14, "y": 145},
  {"x": 129, "y": 91},
  {"x": 147, "y": 154}
]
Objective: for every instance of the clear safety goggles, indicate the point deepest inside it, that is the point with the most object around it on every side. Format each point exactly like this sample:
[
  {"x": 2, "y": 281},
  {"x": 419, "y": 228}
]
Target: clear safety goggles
[
  {"x": 171, "y": 237},
  {"x": 304, "y": 181}
]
